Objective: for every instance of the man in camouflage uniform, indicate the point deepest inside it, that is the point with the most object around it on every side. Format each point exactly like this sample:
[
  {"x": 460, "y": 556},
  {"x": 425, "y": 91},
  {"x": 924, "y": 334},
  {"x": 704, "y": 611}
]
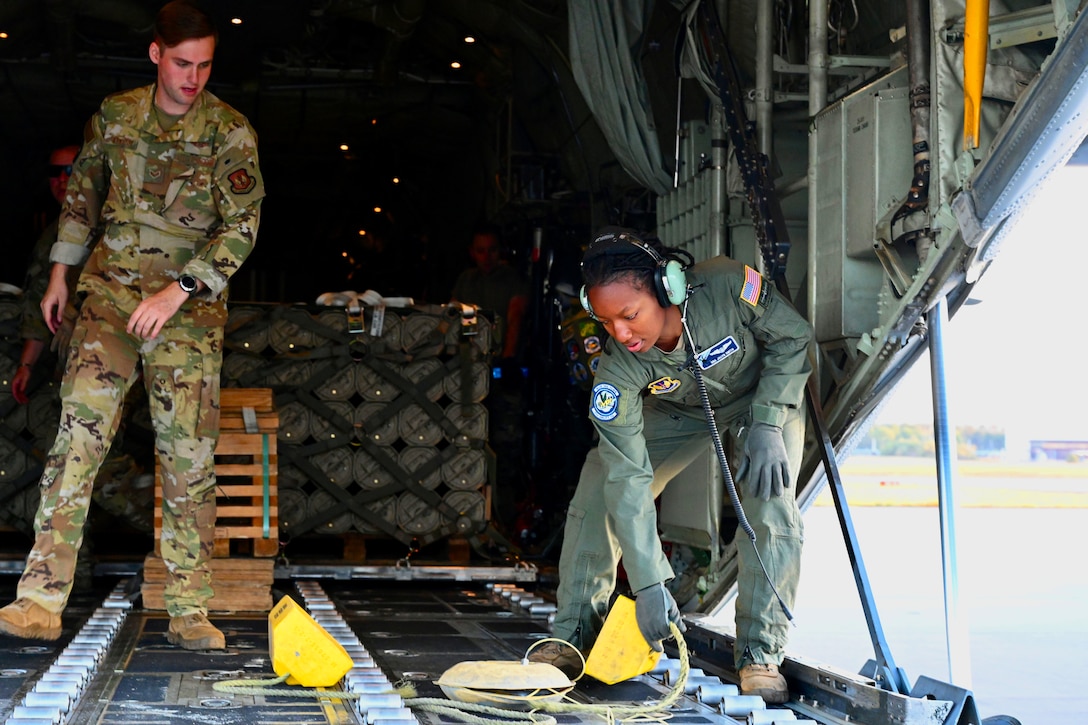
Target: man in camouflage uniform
[
  {"x": 169, "y": 174},
  {"x": 31, "y": 325}
]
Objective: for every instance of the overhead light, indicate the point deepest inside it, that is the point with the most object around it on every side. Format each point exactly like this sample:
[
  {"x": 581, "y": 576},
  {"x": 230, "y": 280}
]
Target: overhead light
[
  {"x": 377, "y": 210},
  {"x": 455, "y": 64},
  {"x": 343, "y": 254},
  {"x": 470, "y": 39},
  {"x": 396, "y": 179},
  {"x": 373, "y": 122},
  {"x": 3, "y": 36},
  {"x": 362, "y": 232},
  {"x": 235, "y": 21},
  {"x": 343, "y": 147}
]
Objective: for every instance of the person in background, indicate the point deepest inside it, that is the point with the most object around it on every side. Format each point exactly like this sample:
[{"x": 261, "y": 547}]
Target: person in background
[
  {"x": 492, "y": 284},
  {"x": 168, "y": 176},
  {"x": 665, "y": 323},
  {"x": 32, "y": 328}
]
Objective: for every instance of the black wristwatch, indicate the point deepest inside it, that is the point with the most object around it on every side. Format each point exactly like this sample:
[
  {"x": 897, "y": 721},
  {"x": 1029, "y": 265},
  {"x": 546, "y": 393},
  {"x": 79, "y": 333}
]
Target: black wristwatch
[{"x": 188, "y": 285}]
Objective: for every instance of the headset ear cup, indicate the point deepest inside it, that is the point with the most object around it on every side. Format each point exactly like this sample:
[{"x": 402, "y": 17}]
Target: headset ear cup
[
  {"x": 674, "y": 282},
  {"x": 584, "y": 299}
]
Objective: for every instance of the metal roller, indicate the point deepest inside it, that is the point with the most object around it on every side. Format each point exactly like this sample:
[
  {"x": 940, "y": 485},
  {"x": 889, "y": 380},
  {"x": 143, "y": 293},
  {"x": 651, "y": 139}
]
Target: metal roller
[
  {"x": 22, "y": 714},
  {"x": 712, "y": 693},
  {"x": 771, "y": 716},
  {"x": 381, "y": 714},
  {"x": 741, "y": 705},
  {"x": 373, "y": 701},
  {"x": 60, "y": 701}
]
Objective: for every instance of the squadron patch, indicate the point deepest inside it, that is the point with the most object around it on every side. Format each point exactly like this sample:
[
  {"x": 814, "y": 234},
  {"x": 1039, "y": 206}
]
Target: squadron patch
[
  {"x": 241, "y": 181},
  {"x": 717, "y": 352},
  {"x": 663, "y": 385},
  {"x": 592, "y": 345},
  {"x": 753, "y": 285},
  {"x": 605, "y": 401}
]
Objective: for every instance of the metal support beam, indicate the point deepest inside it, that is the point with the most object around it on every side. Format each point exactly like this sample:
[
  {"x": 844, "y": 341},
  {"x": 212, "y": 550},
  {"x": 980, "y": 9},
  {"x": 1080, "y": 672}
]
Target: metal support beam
[{"x": 944, "y": 437}]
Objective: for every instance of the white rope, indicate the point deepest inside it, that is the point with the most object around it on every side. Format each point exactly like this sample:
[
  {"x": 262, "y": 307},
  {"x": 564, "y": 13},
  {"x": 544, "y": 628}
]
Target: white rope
[{"x": 467, "y": 711}]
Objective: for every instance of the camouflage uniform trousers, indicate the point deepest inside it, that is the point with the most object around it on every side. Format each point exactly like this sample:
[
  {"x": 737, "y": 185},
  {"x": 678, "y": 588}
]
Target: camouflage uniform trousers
[{"x": 181, "y": 371}]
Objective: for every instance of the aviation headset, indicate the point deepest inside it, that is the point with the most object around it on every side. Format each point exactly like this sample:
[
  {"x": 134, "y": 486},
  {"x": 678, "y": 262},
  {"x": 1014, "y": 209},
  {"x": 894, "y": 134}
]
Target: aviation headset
[{"x": 670, "y": 282}]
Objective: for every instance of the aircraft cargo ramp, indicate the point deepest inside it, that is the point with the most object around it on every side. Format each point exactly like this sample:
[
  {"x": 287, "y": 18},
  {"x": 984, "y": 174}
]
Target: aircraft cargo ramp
[{"x": 113, "y": 664}]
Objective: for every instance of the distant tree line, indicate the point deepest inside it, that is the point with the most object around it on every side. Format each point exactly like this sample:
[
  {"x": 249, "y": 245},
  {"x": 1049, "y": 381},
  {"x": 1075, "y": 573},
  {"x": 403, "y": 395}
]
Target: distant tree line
[{"x": 917, "y": 440}]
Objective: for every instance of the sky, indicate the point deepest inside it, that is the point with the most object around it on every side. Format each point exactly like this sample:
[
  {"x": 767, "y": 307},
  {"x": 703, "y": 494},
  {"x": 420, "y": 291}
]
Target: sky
[{"x": 1017, "y": 358}]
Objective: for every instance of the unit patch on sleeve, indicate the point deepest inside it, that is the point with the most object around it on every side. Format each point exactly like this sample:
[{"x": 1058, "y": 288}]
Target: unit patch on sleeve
[
  {"x": 717, "y": 352},
  {"x": 241, "y": 181},
  {"x": 753, "y": 285},
  {"x": 663, "y": 385},
  {"x": 605, "y": 401}
]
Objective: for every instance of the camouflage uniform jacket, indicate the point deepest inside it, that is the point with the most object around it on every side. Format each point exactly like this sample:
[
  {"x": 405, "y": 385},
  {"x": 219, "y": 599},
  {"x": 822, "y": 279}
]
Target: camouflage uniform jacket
[
  {"x": 753, "y": 354},
  {"x": 32, "y": 324},
  {"x": 185, "y": 200}
]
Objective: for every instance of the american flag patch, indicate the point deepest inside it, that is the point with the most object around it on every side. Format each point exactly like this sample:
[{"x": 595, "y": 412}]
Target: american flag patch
[{"x": 753, "y": 284}]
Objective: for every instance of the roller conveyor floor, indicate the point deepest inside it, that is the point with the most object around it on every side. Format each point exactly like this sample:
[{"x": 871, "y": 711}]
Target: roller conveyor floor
[{"x": 114, "y": 665}]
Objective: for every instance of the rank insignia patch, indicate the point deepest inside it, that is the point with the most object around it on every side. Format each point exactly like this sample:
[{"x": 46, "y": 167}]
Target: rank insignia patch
[{"x": 663, "y": 385}]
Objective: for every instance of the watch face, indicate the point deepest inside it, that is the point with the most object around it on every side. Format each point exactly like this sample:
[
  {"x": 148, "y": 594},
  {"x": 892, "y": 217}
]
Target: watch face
[{"x": 188, "y": 283}]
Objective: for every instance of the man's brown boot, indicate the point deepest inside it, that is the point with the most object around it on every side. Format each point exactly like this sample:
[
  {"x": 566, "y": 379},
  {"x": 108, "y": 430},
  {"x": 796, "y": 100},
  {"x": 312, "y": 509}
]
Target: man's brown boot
[
  {"x": 29, "y": 620},
  {"x": 765, "y": 681},
  {"x": 194, "y": 631}
]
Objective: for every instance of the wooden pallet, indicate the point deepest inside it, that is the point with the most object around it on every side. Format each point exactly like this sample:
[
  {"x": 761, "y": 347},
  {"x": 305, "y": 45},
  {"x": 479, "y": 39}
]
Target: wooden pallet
[
  {"x": 241, "y": 584},
  {"x": 240, "y": 476}
]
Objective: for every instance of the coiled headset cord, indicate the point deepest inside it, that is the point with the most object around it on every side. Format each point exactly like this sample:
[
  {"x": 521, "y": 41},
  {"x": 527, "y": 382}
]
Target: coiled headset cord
[{"x": 716, "y": 437}]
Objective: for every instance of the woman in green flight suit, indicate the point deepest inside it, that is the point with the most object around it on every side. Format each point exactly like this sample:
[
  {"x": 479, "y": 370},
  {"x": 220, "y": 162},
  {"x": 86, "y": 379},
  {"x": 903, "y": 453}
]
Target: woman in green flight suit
[{"x": 751, "y": 349}]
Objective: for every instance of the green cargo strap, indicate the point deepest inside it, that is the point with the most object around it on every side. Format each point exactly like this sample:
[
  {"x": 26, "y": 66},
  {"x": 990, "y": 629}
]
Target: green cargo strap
[
  {"x": 249, "y": 419},
  {"x": 264, "y": 463}
]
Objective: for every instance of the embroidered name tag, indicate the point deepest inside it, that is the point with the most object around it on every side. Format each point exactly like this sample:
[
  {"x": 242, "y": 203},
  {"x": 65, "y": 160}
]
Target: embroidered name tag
[{"x": 716, "y": 353}]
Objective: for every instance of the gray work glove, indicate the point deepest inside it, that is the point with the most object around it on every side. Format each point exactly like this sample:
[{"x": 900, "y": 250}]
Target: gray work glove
[
  {"x": 765, "y": 462},
  {"x": 654, "y": 609}
]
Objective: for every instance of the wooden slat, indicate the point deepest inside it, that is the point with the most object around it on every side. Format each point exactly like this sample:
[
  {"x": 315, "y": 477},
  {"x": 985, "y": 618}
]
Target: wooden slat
[
  {"x": 259, "y": 399},
  {"x": 235, "y": 441},
  {"x": 230, "y": 490}
]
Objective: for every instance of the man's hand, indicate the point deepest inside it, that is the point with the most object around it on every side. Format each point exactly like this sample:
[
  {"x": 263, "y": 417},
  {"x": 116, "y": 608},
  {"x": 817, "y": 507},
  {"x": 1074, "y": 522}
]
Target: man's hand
[
  {"x": 56, "y": 297},
  {"x": 32, "y": 350},
  {"x": 152, "y": 314},
  {"x": 655, "y": 608},
  {"x": 765, "y": 462},
  {"x": 63, "y": 335},
  {"x": 19, "y": 382}
]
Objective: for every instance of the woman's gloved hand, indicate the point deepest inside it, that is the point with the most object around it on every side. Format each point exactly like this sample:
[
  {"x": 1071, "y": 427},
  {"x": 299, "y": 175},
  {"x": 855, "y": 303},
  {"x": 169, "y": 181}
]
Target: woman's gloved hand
[
  {"x": 655, "y": 608},
  {"x": 765, "y": 462}
]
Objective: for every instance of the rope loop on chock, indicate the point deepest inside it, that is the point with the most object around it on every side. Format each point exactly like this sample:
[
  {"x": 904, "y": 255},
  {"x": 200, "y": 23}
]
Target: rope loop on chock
[{"x": 469, "y": 712}]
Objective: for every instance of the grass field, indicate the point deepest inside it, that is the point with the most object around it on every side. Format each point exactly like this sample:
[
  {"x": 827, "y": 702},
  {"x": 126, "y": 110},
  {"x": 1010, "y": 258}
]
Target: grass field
[{"x": 896, "y": 481}]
